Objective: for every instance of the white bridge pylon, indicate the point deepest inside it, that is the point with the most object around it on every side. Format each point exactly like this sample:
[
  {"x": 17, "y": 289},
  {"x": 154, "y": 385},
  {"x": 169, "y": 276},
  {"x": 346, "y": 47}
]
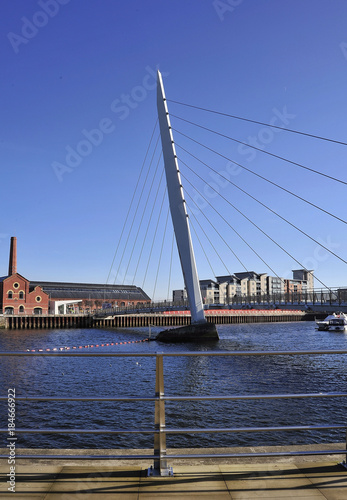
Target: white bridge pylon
[{"x": 178, "y": 209}]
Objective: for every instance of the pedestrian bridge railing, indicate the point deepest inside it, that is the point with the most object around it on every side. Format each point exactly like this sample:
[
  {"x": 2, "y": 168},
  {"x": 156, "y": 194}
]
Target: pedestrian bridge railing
[{"x": 160, "y": 457}]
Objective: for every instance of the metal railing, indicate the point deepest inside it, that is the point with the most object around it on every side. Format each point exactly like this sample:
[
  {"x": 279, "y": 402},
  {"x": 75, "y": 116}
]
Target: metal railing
[
  {"x": 336, "y": 297},
  {"x": 160, "y": 431}
]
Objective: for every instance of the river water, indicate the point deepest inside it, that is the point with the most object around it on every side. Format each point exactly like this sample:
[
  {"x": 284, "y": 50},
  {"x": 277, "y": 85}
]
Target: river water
[{"x": 129, "y": 377}]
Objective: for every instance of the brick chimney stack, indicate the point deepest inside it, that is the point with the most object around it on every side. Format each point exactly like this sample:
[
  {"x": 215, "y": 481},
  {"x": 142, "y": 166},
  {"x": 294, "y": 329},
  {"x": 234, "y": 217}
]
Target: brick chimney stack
[{"x": 12, "y": 266}]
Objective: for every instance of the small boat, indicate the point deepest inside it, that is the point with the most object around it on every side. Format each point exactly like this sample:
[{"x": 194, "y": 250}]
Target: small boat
[
  {"x": 334, "y": 322},
  {"x": 338, "y": 324}
]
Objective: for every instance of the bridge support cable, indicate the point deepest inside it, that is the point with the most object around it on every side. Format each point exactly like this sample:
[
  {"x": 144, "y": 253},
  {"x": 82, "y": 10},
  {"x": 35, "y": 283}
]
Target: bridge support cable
[
  {"x": 154, "y": 238},
  {"x": 160, "y": 255},
  {"x": 257, "y": 175},
  {"x": 202, "y": 247},
  {"x": 262, "y": 204},
  {"x": 261, "y": 150},
  {"x": 132, "y": 200},
  {"x": 148, "y": 226},
  {"x": 142, "y": 217},
  {"x": 170, "y": 269},
  {"x": 213, "y": 227},
  {"x": 136, "y": 211},
  {"x": 260, "y": 123},
  {"x": 253, "y": 223},
  {"x": 231, "y": 227}
]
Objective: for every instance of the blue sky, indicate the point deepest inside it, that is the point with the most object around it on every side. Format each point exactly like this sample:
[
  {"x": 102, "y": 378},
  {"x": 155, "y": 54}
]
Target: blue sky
[{"x": 80, "y": 74}]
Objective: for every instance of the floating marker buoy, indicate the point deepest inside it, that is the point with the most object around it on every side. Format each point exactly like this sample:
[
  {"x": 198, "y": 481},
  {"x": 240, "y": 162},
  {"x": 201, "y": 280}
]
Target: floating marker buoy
[{"x": 66, "y": 348}]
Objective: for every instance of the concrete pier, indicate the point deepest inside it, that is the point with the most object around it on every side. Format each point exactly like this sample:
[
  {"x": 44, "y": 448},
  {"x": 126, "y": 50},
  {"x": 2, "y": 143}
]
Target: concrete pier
[
  {"x": 190, "y": 333},
  {"x": 13, "y": 322}
]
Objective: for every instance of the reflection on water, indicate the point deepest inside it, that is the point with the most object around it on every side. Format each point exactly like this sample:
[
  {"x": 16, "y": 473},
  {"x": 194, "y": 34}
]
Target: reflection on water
[{"x": 101, "y": 377}]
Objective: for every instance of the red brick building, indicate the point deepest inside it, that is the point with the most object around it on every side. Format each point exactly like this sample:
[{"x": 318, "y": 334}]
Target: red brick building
[
  {"x": 293, "y": 286},
  {"x": 21, "y": 296},
  {"x": 17, "y": 296}
]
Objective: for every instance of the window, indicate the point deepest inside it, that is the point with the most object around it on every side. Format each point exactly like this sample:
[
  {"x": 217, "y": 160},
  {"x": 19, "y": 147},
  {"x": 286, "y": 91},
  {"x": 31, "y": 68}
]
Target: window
[
  {"x": 21, "y": 295},
  {"x": 38, "y": 298},
  {"x": 8, "y": 310},
  {"x": 10, "y": 295},
  {"x": 16, "y": 285},
  {"x": 38, "y": 310},
  {"x": 21, "y": 309}
]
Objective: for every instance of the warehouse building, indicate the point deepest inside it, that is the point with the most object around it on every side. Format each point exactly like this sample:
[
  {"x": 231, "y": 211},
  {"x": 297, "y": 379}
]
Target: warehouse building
[
  {"x": 89, "y": 296},
  {"x": 18, "y": 295}
]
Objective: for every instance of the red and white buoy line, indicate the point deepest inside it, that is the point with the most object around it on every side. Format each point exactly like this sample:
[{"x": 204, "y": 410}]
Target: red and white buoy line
[{"x": 87, "y": 346}]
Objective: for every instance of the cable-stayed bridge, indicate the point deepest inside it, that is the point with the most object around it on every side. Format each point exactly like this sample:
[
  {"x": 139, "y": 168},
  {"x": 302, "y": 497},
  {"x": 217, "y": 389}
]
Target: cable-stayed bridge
[{"x": 269, "y": 199}]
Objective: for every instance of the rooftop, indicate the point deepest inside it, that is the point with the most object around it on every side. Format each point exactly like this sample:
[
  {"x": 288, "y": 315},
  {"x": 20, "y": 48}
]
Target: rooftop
[{"x": 93, "y": 290}]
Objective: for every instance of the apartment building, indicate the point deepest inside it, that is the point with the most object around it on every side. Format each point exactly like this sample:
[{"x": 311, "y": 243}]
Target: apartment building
[
  {"x": 210, "y": 291},
  {"x": 225, "y": 288}
]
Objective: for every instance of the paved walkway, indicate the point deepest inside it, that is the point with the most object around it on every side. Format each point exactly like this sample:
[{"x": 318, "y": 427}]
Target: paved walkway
[{"x": 299, "y": 481}]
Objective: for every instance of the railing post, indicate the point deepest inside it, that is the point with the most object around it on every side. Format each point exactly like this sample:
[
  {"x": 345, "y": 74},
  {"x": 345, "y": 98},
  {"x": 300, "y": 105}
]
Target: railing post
[
  {"x": 344, "y": 462},
  {"x": 160, "y": 467}
]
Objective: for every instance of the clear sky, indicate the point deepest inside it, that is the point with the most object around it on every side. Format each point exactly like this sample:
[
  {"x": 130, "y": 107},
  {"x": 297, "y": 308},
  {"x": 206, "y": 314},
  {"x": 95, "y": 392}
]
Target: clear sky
[{"x": 80, "y": 76}]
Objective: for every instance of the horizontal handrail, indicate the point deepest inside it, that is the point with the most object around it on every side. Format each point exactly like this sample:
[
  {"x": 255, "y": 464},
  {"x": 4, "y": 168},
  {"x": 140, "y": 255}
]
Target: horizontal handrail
[
  {"x": 187, "y": 398},
  {"x": 159, "y": 430},
  {"x": 86, "y": 457},
  {"x": 181, "y": 456},
  {"x": 181, "y": 430},
  {"x": 175, "y": 354}
]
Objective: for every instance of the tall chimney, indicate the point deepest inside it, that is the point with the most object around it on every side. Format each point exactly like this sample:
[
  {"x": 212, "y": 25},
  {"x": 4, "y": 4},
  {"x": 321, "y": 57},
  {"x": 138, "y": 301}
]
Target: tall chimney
[{"x": 12, "y": 266}]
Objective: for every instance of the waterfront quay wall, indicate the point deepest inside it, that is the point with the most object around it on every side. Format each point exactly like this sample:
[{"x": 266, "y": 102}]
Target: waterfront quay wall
[
  {"x": 182, "y": 318},
  {"x": 13, "y": 322},
  {"x": 169, "y": 318}
]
